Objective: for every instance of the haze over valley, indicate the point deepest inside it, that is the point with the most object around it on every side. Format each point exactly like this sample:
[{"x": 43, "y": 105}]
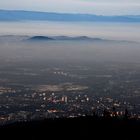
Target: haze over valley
[
  {"x": 63, "y": 74},
  {"x": 56, "y": 68}
]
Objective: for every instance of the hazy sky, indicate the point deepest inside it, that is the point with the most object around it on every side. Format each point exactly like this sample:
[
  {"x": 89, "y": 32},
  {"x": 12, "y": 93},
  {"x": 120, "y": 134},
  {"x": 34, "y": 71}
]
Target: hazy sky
[{"x": 108, "y": 7}]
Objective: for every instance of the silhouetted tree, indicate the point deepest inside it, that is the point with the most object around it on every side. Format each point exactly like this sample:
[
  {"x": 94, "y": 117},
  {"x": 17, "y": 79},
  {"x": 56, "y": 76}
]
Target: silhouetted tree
[
  {"x": 106, "y": 114},
  {"x": 126, "y": 114},
  {"x": 114, "y": 112}
]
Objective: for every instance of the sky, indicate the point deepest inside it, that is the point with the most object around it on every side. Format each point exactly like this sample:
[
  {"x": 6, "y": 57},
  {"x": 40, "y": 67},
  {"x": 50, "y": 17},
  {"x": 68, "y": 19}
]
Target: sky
[{"x": 99, "y": 7}]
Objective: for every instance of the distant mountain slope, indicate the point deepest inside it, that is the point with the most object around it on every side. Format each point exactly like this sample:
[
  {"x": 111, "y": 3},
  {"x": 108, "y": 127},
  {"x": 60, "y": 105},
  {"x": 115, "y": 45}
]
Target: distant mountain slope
[
  {"x": 17, "y": 15},
  {"x": 46, "y": 38},
  {"x": 36, "y": 38},
  {"x": 40, "y": 38}
]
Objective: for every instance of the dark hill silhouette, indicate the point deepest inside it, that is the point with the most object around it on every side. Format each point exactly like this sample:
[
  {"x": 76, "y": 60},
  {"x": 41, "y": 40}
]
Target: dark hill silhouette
[
  {"x": 40, "y": 38},
  {"x": 82, "y": 127},
  {"x": 78, "y": 38}
]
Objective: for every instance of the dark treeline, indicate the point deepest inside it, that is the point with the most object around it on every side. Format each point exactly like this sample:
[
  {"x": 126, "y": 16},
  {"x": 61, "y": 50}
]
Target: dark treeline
[{"x": 80, "y": 127}]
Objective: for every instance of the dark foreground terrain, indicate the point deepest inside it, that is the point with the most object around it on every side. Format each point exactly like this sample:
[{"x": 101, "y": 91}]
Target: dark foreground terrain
[{"x": 83, "y": 127}]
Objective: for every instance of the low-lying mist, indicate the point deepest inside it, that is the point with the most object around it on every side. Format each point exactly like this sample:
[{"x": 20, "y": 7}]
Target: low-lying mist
[{"x": 68, "y": 50}]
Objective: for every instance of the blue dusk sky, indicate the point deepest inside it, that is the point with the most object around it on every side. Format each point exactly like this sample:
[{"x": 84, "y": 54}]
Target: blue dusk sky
[{"x": 99, "y": 7}]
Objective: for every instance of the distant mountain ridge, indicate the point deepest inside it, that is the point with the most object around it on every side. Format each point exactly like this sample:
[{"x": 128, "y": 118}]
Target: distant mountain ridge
[
  {"x": 39, "y": 38},
  {"x": 19, "y": 15},
  {"x": 46, "y": 38}
]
